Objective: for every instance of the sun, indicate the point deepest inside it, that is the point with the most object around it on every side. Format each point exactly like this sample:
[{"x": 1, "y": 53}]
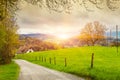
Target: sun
[{"x": 63, "y": 36}]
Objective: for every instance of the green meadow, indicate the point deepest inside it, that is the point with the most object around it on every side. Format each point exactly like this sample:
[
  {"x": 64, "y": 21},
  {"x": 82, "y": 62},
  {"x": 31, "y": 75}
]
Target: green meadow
[
  {"x": 78, "y": 61},
  {"x": 9, "y": 71}
]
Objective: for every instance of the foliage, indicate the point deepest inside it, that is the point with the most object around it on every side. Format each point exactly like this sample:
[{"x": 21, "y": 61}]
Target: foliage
[
  {"x": 8, "y": 30},
  {"x": 68, "y": 5},
  {"x": 9, "y": 40},
  {"x": 8, "y": 7},
  {"x": 93, "y": 33},
  {"x": 106, "y": 61},
  {"x": 36, "y": 45},
  {"x": 9, "y": 71},
  {"x": 60, "y": 5}
]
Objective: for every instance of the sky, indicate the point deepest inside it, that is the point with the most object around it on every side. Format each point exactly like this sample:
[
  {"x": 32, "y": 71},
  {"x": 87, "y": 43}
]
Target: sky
[{"x": 32, "y": 19}]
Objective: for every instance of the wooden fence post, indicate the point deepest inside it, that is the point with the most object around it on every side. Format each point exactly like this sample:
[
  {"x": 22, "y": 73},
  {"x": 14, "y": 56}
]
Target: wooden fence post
[
  {"x": 36, "y": 58},
  {"x": 65, "y": 62},
  {"x": 45, "y": 59},
  {"x": 39, "y": 58},
  {"x": 92, "y": 60},
  {"x": 55, "y": 60},
  {"x": 42, "y": 58},
  {"x": 50, "y": 60}
]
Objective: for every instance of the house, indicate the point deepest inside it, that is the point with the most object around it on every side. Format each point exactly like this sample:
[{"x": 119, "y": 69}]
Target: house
[{"x": 30, "y": 51}]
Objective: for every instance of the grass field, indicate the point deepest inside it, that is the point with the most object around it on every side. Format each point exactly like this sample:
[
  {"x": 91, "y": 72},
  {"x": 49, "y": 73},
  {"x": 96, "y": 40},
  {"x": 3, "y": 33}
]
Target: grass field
[
  {"x": 106, "y": 61},
  {"x": 9, "y": 71}
]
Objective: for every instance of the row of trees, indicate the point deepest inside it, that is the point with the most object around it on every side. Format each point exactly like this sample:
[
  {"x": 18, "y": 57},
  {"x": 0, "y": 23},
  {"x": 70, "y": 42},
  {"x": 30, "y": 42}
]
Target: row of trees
[{"x": 36, "y": 45}]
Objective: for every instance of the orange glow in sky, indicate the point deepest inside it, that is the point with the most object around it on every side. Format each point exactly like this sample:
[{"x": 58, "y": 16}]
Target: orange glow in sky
[{"x": 63, "y": 36}]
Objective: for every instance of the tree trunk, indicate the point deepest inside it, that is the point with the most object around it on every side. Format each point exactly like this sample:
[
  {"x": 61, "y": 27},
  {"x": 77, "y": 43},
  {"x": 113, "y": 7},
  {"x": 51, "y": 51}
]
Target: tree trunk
[
  {"x": 5, "y": 56},
  {"x": 5, "y": 60}
]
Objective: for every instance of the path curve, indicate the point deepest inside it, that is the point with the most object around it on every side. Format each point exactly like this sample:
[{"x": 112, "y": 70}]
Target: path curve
[{"x": 30, "y": 71}]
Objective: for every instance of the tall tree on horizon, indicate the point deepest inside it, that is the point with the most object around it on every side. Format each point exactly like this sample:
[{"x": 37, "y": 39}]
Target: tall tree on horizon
[{"x": 93, "y": 33}]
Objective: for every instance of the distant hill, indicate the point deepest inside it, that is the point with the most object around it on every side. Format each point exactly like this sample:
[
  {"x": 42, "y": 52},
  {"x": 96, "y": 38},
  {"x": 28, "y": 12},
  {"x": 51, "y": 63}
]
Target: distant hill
[
  {"x": 48, "y": 36},
  {"x": 38, "y": 36}
]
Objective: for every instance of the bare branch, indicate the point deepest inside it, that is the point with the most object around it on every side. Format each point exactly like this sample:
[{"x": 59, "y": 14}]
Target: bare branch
[
  {"x": 67, "y": 5},
  {"x": 113, "y": 4}
]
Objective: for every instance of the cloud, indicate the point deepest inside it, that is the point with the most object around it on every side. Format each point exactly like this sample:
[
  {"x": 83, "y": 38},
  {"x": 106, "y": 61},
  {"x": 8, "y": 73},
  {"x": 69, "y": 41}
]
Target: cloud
[
  {"x": 32, "y": 19},
  {"x": 29, "y": 21}
]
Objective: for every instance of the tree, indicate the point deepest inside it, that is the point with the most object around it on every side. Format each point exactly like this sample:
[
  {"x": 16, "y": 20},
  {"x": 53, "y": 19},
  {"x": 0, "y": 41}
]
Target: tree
[
  {"x": 8, "y": 7},
  {"x": 9, "y": 42},
  {"x": 93, "y": 33},
  {"x": 8, "y": 29}
]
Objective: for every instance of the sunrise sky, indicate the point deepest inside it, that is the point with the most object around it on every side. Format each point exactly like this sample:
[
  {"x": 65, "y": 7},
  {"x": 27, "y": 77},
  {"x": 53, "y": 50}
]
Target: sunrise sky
[{"x": 32, "y": 19}]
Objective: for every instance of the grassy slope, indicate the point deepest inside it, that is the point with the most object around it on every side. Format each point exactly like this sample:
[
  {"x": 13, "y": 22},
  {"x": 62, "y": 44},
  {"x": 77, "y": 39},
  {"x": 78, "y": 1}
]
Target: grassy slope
[
  {"x": 106, "y": 63},
  {"x": 9, "y": 71}
]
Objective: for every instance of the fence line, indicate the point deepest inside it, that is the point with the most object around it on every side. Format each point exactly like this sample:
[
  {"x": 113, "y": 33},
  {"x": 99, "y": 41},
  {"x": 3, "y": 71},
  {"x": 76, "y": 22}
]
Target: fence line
[{"x": 44, "y": 59}]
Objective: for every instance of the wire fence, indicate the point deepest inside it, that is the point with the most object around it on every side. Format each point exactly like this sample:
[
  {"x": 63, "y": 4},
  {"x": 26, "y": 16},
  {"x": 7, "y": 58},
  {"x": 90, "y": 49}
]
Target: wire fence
[{"x": 63, "y": 61}]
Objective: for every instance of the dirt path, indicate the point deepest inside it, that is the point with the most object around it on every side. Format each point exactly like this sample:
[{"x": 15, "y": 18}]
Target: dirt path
[{"x": 30, "y": 71}]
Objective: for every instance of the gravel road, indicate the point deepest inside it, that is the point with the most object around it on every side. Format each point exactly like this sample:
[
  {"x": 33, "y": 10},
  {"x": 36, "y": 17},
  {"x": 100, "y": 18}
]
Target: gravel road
[{"x": 30, "y": 71}]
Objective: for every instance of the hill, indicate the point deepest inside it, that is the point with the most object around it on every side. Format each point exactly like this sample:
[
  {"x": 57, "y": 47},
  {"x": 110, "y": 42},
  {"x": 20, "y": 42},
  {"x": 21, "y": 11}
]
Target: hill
[
  {"x": 38, "y": 36},
  {"x": 42, "y": 36}
]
